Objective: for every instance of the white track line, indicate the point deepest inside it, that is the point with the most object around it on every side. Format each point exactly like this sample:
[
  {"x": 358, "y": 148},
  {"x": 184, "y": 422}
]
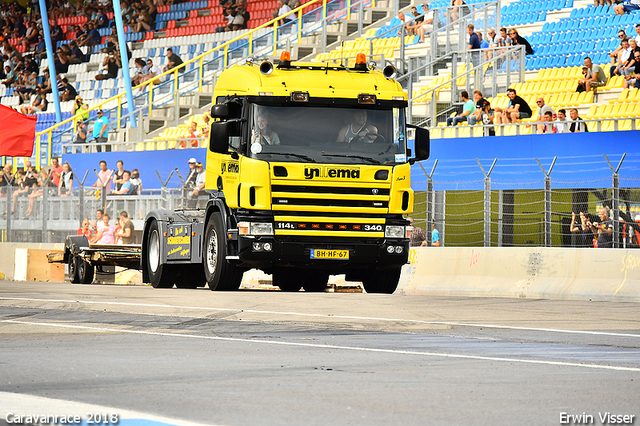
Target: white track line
[
  {"x": 302, "y": 314},
  {"x": 321, "y": 346}
]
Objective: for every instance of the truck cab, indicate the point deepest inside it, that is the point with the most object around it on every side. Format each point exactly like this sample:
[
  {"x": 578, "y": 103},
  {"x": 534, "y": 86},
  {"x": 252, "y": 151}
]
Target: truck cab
[{"x": 309, "y": 173}]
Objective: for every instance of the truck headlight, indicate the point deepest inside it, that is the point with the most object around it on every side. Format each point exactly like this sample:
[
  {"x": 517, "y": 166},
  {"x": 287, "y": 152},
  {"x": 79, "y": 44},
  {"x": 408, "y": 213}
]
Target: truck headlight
[
  {"x": 255, "y": 228},
  {"x": 261, "y": 228},
  {"x": 394, "y": 231}
]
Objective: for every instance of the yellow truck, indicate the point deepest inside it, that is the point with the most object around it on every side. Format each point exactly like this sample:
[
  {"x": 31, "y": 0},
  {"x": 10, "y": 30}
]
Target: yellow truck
[{"x": 308, "y": 171}]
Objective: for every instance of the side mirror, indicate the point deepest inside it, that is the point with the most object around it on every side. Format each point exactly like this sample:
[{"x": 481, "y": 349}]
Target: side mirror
[
  {"x": 219, "y": 137},
  {"x": 220, "y": 111},
  {"x": 422, "y": 143}
]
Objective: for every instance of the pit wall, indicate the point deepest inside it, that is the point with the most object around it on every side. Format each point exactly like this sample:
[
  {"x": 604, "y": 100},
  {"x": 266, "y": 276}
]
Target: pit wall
[{"x": 550, "y": 273}]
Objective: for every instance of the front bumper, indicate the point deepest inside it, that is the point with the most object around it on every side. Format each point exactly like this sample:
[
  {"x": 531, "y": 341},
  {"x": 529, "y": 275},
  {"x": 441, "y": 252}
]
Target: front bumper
[{"x": 296, "y": 252}]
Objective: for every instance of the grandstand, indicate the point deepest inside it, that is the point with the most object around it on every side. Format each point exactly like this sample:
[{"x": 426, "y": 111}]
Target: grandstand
[{"x": 561, "y": 33}]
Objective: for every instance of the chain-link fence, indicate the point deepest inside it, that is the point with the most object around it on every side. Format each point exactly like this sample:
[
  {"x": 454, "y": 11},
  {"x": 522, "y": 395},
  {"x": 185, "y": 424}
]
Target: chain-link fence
[{"x": 547, "y": 212}]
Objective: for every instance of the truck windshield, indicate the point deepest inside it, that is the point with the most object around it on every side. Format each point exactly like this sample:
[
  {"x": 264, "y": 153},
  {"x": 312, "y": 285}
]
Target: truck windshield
[{"x": 327, "y": 134}]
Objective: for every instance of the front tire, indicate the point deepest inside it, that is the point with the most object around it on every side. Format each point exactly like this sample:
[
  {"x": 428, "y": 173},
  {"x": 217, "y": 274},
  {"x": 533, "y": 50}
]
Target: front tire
[
  {"x": 219, "y": 274},
  {"x": 72, "y": 270},
  {"x": 385, "y": 282},
  {"x": 160, "y": 275}
]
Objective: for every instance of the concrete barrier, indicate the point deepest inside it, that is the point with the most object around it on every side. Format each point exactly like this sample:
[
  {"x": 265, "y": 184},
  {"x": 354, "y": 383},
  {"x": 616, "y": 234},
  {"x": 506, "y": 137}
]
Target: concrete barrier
[{"x": 562, "y": 273}]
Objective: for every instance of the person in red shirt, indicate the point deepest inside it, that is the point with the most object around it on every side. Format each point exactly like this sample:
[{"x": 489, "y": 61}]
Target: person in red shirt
[
  {"x": 55, "y": 172},
  {"x": 86, "y": 229}
]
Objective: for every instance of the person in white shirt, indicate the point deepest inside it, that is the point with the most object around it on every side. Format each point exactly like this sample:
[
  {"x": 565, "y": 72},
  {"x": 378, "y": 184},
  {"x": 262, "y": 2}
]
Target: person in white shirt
[
  {"x": 623, "y": 56},
  {"x": 284, "y": 8},
  {"x": 561, "y": 123}
]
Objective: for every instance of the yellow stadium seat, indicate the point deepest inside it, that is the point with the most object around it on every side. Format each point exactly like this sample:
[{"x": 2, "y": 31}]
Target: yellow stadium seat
[
  {"x": 478, "y": 132},
  {"x": 592, "y": 111},
  {"x": 139, "y": 146},
  {"x": 435, "y": 133},
  {"x": 636, "y": 110},
  {"x": 464, "y": 132},
  {"x": 607, "y": 126},
  {"x": 553, "y": 75},
  {"x": 605, "y": 111},
  {"x": 624, "y": 124},
  {"x": 556, "y": 87},
  {"x": 618, "y": 110},
  {"x": 162, "y": 145},
  {"x": 541, "y": 74},
  {"x": 636, "y": 95},
  {"x": 150, "y": 146},
  {"x": 593, "y": 127}
]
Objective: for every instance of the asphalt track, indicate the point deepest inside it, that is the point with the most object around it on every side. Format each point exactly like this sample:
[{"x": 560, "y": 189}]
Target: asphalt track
[{"x": 154, "y": 357}]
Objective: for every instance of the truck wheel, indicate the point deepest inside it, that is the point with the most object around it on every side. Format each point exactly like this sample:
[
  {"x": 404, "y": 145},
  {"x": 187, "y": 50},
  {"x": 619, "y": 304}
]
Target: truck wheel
[
  {"x": 85, "y": 271},
  {"x": 160, "y": 275},
  {"x": 219, "y": 274},
  {"x": 287, "y": 279},
  {"x": 382, "y": 281},
  {"x": 73, "y": 271},
  {"x": 316, "y": 283}
]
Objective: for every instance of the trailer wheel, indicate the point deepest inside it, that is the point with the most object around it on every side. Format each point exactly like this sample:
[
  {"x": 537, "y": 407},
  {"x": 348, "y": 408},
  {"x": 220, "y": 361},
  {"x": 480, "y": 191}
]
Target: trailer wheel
[
  {"x": 382, "y": 281},
  {"x": 287, "y": 279},
  {"x": 219, "y": 274},
  {"x": 85, "y": 271},
  {"x": 73, "y": 271},
  {"x": 160, "y": 275}
]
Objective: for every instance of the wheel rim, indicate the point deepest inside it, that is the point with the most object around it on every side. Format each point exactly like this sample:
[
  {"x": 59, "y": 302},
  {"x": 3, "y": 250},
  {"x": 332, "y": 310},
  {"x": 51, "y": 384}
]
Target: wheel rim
[
  {"x": 72, "y": 268},
  {"x": 212, "y": 251},
  {"x": 154, "y": 251},
  {"x": 81, "y": 269}
]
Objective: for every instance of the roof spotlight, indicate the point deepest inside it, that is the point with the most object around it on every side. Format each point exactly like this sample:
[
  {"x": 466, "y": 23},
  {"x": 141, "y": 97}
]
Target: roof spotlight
[
  {"x": 389, "y": 71},
  {"x": 266, "y": 68}
]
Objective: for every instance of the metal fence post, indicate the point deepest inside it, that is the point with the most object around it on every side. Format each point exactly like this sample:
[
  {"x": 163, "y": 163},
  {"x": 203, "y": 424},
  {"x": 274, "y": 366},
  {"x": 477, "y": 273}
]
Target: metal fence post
[
  {"x": 487, "y": 202},
  {"x": 547, "y": 202},
  {"x": 45, "y": 209},
  {"x": 500, "y": 218},
  {"x": 615, "y": 202},
  {"x": 430, "y": 201},
  {"x": 81, "y": 195}
]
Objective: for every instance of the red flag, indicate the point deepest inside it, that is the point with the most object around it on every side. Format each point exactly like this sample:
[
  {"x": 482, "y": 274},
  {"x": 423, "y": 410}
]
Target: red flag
[{"x": 17, "y": 133}]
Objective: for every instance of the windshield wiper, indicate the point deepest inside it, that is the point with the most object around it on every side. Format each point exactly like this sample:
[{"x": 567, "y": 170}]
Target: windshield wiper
[
  {"x": 304, "y": 157},
  {"x": 361, "y": 157}
]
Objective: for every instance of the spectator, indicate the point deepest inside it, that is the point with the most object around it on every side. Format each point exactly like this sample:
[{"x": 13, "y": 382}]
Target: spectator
[
  {"x": 143, "y": 21},
  {"x": 68, "y": 92},
  {"x": 487, "y": 116},
  {"x": 118, "y": 175},
  {"x": 474, "y": 44},
  {"x": 638, "y": 34},
  {"x": 417, "y": 237},
  {"x": 283, "y": 9},
  {"x": 633, "y": 77},
  {"x": 517, "y": 39},
  {"x": 418, "y": 26},
  {"x": 468, "y": 107},
  {"x": 125, "y": 234},
  {"x": 81, "y": 108},
  {"x": 92, "y": 36},
  {"x": 66, "y": 181},
  {"x": 112, "y": 64},
  {"x": 206, "y": 125},
  {"x": 494, "y": 42},
  {"x": 516, "y": 109},
  {"x": 595, "y": 76},
  {"x": 76, "y": 56},
  {"x": 586, "y": 236},
  {"x": 480, "y": 107},
  {"x": 26, "y": 181},
  {"x": 36, "y": 191},
  {"x": 106, "y": 233},
  {"x": 173, "y": 61},
  {"x": 603, "y": 229},
  {"x": 85, "y": 229},
  {"x": 193, "y": 138},
  {"x": 623, "y": 56},
  {"x": 11, "y": 76},
  {"x": 127, "y": 187},
  {"x": 54, "y": 173},
  {"x": 199, "y": 187},
  {"x": 542, "y": 110},
  {"x": 547, "y": 124},
  {"x": 138, "y": 71},
  {"x": 153, "y": 72},
  {"x": 102, "y": 21},
  {"x": 7, "y": 179},
  {"x": 632, "y": 6},
  {"x": 483, "y": 43},
  {"x": 435, "y": 236},
  {"x": 104, "y": 177},
  {"x": 614, "y": 55},
  {"x": 81, "y": 136},
  {"x": 136, "y": 181},
  {"x": 101, "y": 131},
  {"x": 561, "y": 123},
  {"x": 192, "y": 176},
  {"x": 629, "y": 65},
  {"x": 577, "y": 124},
  {"x": 39, "y": 103},
  {"x": 461, "y": 8},
  {"x": 633, "y": 44}
]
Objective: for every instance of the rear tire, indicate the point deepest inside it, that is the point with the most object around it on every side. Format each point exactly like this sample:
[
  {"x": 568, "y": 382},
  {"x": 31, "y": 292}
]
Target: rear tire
[
  {"x": 72, "y": 270},
  {"x": 219, "y": 274},
  {"x": 385, "y": 282},
  {"x": 85, "y": 271},
  {"x": 160, "y": 275}
]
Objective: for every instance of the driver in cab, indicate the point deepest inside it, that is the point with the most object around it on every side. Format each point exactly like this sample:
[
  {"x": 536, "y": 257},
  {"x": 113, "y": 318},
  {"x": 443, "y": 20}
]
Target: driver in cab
[
  {"x": 358, "y": 130},
  {"x": 263, "y": 133}
]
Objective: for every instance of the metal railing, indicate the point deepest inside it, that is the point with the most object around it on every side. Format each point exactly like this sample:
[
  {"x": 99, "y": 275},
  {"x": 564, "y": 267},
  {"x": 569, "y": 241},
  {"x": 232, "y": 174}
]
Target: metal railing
[{"x": 192, "y": 75}]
